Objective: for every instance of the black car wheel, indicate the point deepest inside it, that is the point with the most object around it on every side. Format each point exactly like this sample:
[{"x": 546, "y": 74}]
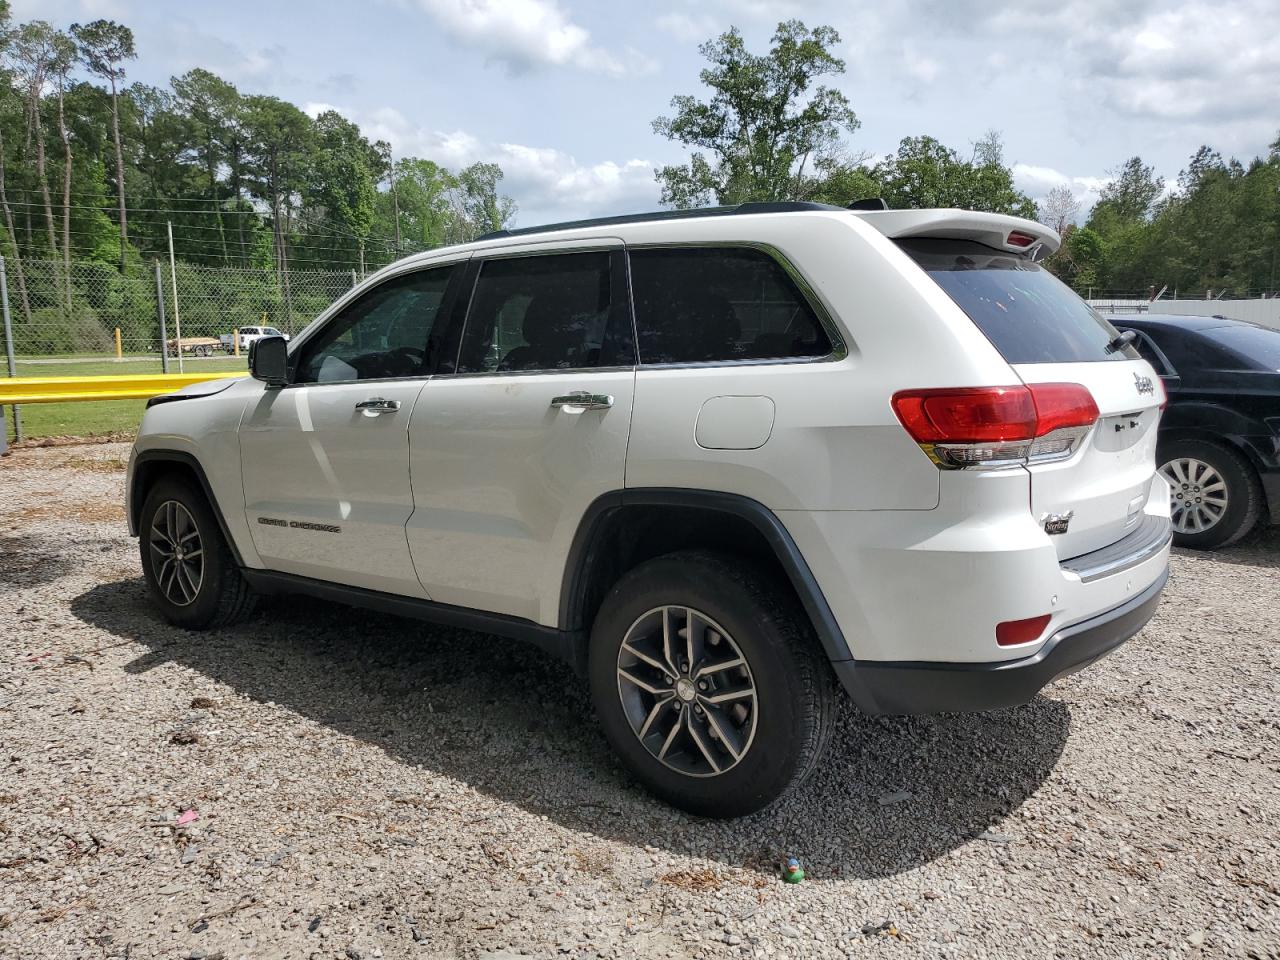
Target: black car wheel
[
  {"x": 191, "y": 574},
  {"x": 1215, "y": 497},
  {"x": 709, "y": 683}
]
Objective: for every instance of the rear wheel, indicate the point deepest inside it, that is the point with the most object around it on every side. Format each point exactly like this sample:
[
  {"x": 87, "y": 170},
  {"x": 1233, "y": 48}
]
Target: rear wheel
[
  {"x": 191, "y": 574},
  {"x": 709, "y": 683},
  {"x": 1215, "y": 497}
]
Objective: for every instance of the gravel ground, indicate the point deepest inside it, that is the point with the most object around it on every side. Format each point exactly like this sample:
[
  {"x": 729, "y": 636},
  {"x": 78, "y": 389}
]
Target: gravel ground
[{"x": 370, "y": 787}]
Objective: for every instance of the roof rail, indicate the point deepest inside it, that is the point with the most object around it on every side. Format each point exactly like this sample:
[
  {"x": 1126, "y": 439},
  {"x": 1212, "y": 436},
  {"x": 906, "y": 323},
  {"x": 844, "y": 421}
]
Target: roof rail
[{"x": 755, "y": 206}]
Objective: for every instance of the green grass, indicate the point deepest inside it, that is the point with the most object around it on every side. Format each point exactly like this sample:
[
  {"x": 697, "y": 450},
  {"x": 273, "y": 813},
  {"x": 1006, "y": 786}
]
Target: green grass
[{"x": 98, "y": 417}]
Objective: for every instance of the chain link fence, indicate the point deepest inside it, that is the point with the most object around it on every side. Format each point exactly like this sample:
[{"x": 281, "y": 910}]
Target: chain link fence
[{"x": 59, "y": 312}]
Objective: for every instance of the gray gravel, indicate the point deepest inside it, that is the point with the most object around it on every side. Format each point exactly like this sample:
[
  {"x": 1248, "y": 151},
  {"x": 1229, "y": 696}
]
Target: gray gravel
[{"x": 370, "y": 787}]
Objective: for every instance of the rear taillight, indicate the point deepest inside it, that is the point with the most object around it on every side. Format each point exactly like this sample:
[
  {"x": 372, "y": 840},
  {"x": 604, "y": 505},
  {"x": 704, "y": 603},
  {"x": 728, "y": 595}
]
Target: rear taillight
[
  {"x": 1017, "y": 238},
  {"x": 985, "y": 427}
]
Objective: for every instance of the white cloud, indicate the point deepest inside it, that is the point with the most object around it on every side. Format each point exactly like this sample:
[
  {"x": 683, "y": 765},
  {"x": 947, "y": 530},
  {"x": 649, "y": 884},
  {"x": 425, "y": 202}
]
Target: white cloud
[
  {"x": 548, "y": 184},
  {"x": 1036, "y": 182},
  {"x": 527, "y": 33},
  {"x": 688, "y": 28}
]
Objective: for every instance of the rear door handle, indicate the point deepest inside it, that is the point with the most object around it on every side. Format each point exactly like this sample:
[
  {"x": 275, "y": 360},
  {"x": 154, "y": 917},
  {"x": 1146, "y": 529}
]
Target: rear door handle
[
  {"x": 583, "y": 400},
  {"x": 376, "y": 405}
]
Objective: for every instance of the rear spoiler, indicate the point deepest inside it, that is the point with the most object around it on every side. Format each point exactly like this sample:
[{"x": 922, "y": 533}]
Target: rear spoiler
[{"x": 998, "y": 230}]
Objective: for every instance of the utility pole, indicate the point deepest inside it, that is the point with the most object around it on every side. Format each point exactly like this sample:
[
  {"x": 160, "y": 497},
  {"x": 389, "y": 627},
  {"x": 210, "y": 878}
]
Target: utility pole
[
  {"x": 173, "y": 276},
  {"x": 164, "y": 334},
  {"x": 395, "y": 205},
  {"x": 8, "y": 349}
]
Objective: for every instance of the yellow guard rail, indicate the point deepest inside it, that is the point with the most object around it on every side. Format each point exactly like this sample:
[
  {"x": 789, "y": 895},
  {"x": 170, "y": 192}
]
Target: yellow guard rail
[{"x": 16, "y": 390}]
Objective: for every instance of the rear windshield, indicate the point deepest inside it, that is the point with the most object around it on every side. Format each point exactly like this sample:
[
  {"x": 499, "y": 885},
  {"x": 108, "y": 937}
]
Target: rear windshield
[
  {"x": 1257, "y": 347},
  {"x": 1024, "y": 310}
]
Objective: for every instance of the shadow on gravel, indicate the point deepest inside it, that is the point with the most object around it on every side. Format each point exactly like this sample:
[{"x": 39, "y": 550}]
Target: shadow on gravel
[
  {"x": 1260, "y": 548},
  {"x": 26, "y": 562},
  {"x": 515, "y": 724}
]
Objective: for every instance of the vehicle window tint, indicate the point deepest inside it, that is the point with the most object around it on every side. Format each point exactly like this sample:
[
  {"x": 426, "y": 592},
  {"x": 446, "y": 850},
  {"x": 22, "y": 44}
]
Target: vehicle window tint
[
  {"x": 1256, "y": 348},
  {"x": 553, "y": 312},
  {"x": 1027, "y": 313},
  {"x": 390, "y": 331},
  {"x": 1191, "y": 351},
  {"x": 698, "y": 304}
]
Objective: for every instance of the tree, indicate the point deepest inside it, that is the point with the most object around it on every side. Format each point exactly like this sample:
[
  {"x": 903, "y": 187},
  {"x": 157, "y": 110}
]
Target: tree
[
  {"x": 62, "y": 58},
  {"x": 33, "y": 52},
  {"x": 344, "y": 170},
  {"x": 1059, "y": 209},
  {"x": 927, "y": 173},
  {"x": 104, "y": 47},
  {"x": 1131, "y": 194},
  {"x": 478, "y": 208},
  {"x": 764, "y": 127},
  {"x": 279, "y": 136}
]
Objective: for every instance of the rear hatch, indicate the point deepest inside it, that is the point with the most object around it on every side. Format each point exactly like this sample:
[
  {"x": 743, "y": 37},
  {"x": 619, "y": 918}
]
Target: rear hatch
[{"x": 1049, "y": 335}]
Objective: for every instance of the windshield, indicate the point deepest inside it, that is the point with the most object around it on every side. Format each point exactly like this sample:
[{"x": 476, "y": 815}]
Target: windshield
[
  {"x": 1257, "y": 347},
  {"x": 1027, "y": 313}
]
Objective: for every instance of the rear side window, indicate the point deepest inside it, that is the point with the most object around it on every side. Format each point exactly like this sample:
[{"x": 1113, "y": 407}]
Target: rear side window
[
  {"x": 703, "y": 304},
  {"x": 553, "y": 312},
  {"x": 1027, "y": 313},
  {"x": 1254, "y": 348}
]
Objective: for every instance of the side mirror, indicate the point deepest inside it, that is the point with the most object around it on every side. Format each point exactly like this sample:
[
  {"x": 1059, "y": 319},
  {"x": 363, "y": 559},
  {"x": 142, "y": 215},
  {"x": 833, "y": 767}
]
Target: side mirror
[{"x": 269, "y": 361}]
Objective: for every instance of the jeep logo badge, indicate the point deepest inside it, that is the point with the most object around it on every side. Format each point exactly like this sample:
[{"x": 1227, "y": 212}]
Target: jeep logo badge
[
  {"x": 1055, "y": 523},
  {"x": 1143, "y": 384}
]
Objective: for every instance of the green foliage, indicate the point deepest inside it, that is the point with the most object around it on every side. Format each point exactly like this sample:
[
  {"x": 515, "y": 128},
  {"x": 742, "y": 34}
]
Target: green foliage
[
  {"x": 764, "y": 128},
  {"x": 244, "y": 180},
  {"x": 926, "y": 173},
  {"x": 52, "y": 330}
]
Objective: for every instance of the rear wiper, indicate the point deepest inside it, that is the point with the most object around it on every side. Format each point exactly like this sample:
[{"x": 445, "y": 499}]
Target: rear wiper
[{"x": 1121, "y": 340}]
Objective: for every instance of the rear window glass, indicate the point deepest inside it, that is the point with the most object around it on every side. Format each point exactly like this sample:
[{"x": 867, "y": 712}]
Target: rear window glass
[
  {"x": 1025, "y": 311},
  {"x": 705, "y": 304},
  {"x": 1256, "y": 347}
]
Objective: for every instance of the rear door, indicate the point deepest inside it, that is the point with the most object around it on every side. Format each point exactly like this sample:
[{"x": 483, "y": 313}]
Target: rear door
[{"x": 1049, "y": 335}]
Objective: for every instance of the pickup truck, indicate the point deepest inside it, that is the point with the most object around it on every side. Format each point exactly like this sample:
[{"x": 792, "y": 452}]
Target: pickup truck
[{"x": 247, "y": 335}]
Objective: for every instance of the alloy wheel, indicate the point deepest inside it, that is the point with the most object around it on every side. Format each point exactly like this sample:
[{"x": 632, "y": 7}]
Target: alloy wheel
[
  {"x": 1198, "y": 494},
  {"x": 177, "y": 554},
  {"x": 687, "y": 691}
]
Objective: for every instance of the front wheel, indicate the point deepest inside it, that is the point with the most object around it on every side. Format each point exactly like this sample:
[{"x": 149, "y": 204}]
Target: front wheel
[
  {"x": 709, "y": 683},
  {"x": 190, "y": 572},
  {"x": 1215, "y": 497}
]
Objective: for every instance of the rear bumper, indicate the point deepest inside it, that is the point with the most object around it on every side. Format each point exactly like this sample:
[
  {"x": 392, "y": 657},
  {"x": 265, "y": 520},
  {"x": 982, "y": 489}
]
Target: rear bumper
[{"x": 881, "y": 687}]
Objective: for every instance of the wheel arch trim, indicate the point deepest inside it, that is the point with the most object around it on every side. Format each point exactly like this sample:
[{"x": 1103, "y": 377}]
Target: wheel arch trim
[
  {"x": 137, "y": 491},
  {"x": 587, "y": 542}
]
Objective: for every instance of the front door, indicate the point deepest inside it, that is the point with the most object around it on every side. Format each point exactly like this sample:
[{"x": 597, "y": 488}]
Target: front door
[
  {"x": 326, "y": 458},
  {"x": 507, "y": 453}
]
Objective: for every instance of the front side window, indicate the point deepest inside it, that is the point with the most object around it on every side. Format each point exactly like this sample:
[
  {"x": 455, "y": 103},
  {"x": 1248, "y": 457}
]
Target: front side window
[
  {"x": 546, "y": 312},
  {"x": 389, "y": 332},
  {"x": 706, "y": 304}
]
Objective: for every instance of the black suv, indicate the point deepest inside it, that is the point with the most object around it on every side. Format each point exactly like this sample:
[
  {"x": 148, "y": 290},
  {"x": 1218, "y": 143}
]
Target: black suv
[{"x": 1219, "y": 442}]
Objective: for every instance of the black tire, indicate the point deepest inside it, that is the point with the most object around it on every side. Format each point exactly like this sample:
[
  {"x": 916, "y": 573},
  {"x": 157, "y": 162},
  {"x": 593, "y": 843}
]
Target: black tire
[
  {"x": 795, "y": 699},
  {"x": 220, "y": 595},
  {"x": 1244, "y": 492}
]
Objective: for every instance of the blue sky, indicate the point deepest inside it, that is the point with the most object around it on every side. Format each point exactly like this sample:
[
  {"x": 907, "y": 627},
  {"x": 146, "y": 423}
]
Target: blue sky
[{"x": 561, "y": 92}]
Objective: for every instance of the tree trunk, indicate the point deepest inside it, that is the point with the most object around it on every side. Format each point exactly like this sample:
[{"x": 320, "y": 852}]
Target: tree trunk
[
  {"x": 42, "y": 176},
  {"x": 115, "y": 133},
  {"x": 18, "y": 273}
]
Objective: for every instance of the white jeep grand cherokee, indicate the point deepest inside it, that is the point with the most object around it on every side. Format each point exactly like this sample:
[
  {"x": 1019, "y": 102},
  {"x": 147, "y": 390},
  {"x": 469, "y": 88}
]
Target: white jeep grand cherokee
[{"x": 717, "y": 460}]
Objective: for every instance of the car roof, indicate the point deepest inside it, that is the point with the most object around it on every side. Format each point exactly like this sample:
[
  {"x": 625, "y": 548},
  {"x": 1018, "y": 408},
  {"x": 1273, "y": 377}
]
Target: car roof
[
  {"x": 992, "y": 229},
  {"x": 1178, "y": 321}
]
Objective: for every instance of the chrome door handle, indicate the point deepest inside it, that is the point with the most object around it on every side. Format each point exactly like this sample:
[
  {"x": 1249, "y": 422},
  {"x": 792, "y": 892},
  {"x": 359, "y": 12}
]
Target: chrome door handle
[
  {"x": 376, "y": 405},
  {"x": 587, "y": 401}
]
